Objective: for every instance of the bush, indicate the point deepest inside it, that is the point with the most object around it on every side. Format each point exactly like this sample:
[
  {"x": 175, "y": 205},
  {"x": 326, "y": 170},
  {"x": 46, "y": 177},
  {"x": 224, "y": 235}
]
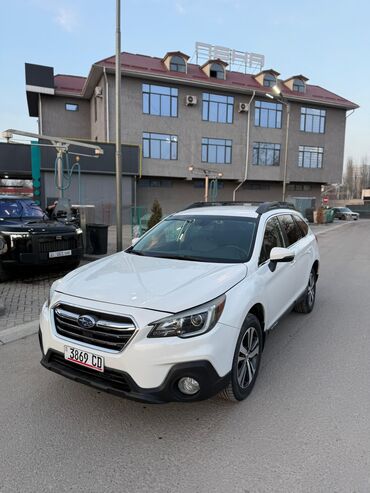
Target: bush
[{"x": 156, "y": 214}]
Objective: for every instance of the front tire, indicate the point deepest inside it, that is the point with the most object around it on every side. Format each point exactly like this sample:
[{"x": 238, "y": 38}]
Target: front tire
[
  {"x": 307, "y": 303},
  {"x": 246, "y": 361}
]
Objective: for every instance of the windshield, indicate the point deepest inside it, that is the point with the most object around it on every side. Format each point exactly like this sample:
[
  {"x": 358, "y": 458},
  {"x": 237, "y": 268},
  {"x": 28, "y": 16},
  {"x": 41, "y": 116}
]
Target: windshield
[
  {"x": 18, "y": 208},
  {"x": 344, "y": 209},
  {"x": 203, "y": 238}
]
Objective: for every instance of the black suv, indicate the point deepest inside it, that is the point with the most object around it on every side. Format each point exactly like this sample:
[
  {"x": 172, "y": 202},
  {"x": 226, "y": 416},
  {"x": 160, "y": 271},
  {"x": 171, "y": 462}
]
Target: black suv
[{"x": 29, "y": 237}]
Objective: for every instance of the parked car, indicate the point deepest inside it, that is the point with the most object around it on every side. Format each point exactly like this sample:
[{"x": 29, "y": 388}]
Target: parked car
[
  {"x": 183, "y": 313},
  {"x": 345, "y": 213},
  {"x": 29, "y": 237}
]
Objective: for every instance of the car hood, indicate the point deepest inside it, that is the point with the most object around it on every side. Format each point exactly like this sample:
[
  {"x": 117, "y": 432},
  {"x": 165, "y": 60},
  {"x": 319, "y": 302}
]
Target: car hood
[
  {"x": 166, "y": 285},
  {"x": 35, "y": 226}
]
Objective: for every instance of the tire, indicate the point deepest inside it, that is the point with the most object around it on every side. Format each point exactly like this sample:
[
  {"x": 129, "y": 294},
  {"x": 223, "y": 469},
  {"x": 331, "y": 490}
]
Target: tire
[
  {"x": 4, "y": 276},
  {"x": 308, "y": 302},
  {"x": 245, "y": 366}
]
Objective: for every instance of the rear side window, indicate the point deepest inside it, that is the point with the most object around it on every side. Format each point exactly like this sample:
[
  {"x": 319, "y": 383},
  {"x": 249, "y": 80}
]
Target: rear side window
[
  {"x": 272, "y": 238},
  {"x": 290, "y": 228},
  {"x": 303, "y": 226}
]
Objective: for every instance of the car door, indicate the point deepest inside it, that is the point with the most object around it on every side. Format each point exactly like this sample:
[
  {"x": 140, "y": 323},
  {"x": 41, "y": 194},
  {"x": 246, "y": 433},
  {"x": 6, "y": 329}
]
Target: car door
[
  {"x": 277, "y": 286},
  {"x": 300, "y": 244}
]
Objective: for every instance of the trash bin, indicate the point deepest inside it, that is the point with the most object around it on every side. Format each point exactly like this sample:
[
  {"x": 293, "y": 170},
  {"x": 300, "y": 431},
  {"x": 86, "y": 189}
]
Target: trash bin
[
  {"x": 97, "y": 239},
  {"x": 329, "y": 215}
]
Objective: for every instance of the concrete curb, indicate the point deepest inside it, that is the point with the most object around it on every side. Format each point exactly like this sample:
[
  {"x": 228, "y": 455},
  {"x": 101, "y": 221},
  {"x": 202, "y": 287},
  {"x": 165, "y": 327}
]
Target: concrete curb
[{"x": 19, "y": 332}]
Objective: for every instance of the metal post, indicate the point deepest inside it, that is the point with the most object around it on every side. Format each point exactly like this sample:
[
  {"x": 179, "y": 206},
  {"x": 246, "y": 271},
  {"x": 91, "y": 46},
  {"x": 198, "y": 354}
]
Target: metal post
[
  {"x": 286, "y": 150},
  {"x": 60, "y": 173},
  {"x": 206, "y": 183},
  {"x": 118, "y": 129}
]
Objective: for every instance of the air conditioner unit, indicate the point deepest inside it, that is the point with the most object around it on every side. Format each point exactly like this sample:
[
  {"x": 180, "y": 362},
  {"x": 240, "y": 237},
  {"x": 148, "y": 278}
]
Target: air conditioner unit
[
  {"x": 191, "y": 100},
  {"x": 98, "y": 92},
  {"x": 243, "y": 107}
]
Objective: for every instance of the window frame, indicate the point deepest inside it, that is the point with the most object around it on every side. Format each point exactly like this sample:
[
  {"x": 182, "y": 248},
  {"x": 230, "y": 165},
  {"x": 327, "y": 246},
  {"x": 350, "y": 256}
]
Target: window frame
[
  {"x": 282, "y": 236},
  {"x": 287, "y": 242},
  {"x": 299, "y": 83},
  {"x": 306, "y": 117},
  {"x": 260, "y": 147},
  {"x": 148, "y": 95},
  {"x": 220, "y": 70},
  {"x": 147, "y": 140},
  {"x": 211, "y": 102},
  {"x": 269, "y": 80},
  {"x": 258, "y": 109},
  {"x": 304, "y": 150},
  {"x": 226, "y": 146},
  {"x": 177, "y": 64}
]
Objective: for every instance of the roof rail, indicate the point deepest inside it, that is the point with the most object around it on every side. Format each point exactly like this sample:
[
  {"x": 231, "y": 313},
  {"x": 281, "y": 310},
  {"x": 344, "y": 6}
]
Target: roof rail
[
  {"x": 270, "y": 206},
  {"x": 218, "y": 204}
]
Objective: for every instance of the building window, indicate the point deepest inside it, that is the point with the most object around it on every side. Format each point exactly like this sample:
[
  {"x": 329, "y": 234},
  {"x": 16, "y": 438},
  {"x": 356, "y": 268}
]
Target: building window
[
  {"x": 160, "y": 100},
  {"x": 216, "y": 151},
  {"x": 159, "y": 146},
  {"x": 217, "y": 108},
  {"x": 177, "y": 64},
  {"x": 71, "y": 107},
  {"x": 310, "y": 157},
  {"x": 269, "y": 80},
  {"x": 252, "y": 185},
  {"x": 217, "y": 71},
  {"x": 299, "y": 85},
  {"x": 265, "y": 154},
  {"x": 298, "y": 187},
  {"x": 313, "y": 120},
  {"x": 154, "y": 183},
  {"x": 200, "y": 184},
  {"x": 268, "y": 114}
]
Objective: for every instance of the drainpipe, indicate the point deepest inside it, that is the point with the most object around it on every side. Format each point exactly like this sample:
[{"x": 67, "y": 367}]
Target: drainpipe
[
  {"x": 107, "y": 133},
  {"x": 247, "y": 147},
  {"x": 40, "y": 115}
]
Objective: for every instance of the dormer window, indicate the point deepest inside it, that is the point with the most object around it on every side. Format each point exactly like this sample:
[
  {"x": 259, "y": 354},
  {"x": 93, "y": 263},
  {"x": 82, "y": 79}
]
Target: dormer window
[
  {"x": 269, "y": 80},
  {"x": 299, "y": 85},
  {"x": 217, "y": 71},
  {"x": 177, "y": 64},
  {"x": 176, "y": 61}
]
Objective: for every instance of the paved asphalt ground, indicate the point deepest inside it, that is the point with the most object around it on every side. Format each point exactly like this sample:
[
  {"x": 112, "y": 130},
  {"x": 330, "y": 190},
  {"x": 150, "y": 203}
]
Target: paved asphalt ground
[{"x": 305, "y": 427}]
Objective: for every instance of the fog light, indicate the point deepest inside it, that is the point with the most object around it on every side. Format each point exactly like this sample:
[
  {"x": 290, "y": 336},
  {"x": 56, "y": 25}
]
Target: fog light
[{"x": 188, "y": 386}]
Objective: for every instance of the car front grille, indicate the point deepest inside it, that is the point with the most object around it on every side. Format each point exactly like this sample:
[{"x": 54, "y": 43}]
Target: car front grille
[
  {"x": 107, "y": 331},
  {"x": 47, "y": 245}
]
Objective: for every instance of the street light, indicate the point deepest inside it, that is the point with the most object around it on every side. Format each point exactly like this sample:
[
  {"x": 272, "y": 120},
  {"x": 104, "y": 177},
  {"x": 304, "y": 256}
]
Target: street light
[
  {"x": 207, "y": 175},
  {"x": 279, "y": 97}
]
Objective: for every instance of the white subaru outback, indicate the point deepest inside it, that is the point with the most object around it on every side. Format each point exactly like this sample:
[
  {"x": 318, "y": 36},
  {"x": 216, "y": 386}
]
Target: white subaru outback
[{"x": 182, "y": 314}]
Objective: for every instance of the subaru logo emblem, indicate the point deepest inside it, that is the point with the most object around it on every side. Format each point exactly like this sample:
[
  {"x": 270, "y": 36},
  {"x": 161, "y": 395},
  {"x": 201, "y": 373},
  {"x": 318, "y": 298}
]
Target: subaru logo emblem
[{"x": 86, "y": 321}]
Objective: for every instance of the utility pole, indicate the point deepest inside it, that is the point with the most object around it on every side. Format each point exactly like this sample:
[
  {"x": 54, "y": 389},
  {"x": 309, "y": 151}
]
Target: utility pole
[
  {"x": 118, "y": 129},
  {"x": 285, "y": 171}
]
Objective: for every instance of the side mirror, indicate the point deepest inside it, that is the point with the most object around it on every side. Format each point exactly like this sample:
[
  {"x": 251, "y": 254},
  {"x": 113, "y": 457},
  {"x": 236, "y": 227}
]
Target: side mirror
[
  {"x": 134, "y": 241},
  {"x": 278, "y": 254}
]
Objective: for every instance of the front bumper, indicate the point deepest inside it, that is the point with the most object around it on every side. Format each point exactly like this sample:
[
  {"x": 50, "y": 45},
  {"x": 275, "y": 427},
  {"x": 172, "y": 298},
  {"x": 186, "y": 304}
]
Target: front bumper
[
  {"x": 121, "y": 383},
  {"x": 147, "y": 369}
]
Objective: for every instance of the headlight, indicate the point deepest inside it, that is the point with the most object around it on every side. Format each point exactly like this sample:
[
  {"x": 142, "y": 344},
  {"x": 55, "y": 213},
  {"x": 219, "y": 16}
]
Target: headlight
[
  {"x": 79, "y": 231},
  {"x": 190, "y": 323},
  {"x": 53, "y": 288}
]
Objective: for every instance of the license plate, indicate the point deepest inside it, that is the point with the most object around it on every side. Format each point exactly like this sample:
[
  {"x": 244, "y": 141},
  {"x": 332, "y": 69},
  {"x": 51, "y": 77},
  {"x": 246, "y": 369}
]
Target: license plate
[
  {"x": 83, "y": 358},
  {"x": 62, "y": 253}
]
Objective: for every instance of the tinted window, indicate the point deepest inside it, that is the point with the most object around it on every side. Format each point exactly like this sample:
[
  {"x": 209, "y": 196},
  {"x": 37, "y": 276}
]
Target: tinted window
[
  {"x": 303, "y": 226},
  {"x": 200, "y": 238},
  {"x": 290, "y": 228},
  {"x": 272, "y": 238},
  {"x": 19, "y": 208}
]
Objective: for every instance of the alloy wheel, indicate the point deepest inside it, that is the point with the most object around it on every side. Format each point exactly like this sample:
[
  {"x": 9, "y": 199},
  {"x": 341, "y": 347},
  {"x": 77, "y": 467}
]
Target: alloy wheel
[{"x": 248, "y": 357}]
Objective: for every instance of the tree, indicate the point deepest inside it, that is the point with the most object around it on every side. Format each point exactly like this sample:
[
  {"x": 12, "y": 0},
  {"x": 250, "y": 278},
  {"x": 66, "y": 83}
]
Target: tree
[
  {"x": 349, "y": 178},
  {"x": 156, "y": 214}
]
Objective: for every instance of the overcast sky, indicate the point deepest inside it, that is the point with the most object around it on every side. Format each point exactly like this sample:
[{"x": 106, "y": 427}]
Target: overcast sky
[{"x": 327, "y": 40}]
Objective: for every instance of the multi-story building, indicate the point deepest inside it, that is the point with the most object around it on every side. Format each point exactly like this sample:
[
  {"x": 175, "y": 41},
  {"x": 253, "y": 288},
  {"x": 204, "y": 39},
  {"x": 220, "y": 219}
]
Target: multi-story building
[{"x": 184, "y": 114}]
